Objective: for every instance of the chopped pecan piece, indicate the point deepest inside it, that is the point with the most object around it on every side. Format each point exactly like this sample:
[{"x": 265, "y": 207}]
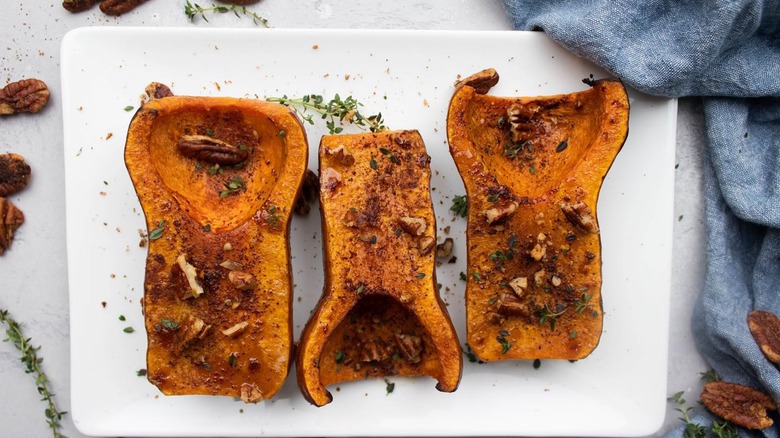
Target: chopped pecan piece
[
  {"x": 499, "y": 214},
  {"x": 411, "y": 347},
  {"x": 538, "y": 252},
  {"x": 481, "y": 81},
  {"x": 156, "y": 90},
  {"x": 444, "y": 249},
  {"x": 741, "y": 405},
  {"x": 236, "y": 329},
  {"x": 14, "y": 174},
  {"x": 580, "y": 216},
  {"x": 78, "y": 5},
  {"x": 765, "y": 328},
  {"x": 193, "y": 330},
  {"x": 242, "y": 280},
  {"x": 25, "y": 96},
  {"x": 519, "y": 285},
  {"x": 11, "y": 218},
  {"x": 342, "y": 155},
  {"x": 119, "y": 7},
  {"x": 413, "y": 225},
  {"x": 191, "y": 274},
  {"x": 426, "y": 245},
  {"x": 510, "y": 305},
  {"x": 231, "y": 265},
  {"x": 210, "y": 150},
  {"x": 250, "y": 393},
  {"x": 330, "y": 179}
]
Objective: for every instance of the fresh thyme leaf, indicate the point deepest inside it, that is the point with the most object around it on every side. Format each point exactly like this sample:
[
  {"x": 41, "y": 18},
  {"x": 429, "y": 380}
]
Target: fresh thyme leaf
[
  {"x": 390, "y": 386},
  {"x": 463, "y": 276},
  {"x": 335, "y": 112},
  {"x": 537, "y": 364},
  {"x": 157, "y": 232},
  {"x": 169, "y": 324},
  {"x": 505, "y": 345},
  {"x": 562, "y": 146},
  {"x": 32, "y": 362},
  {"x": 141, "y": 372},
  {"x": 460, "y": 205},
  {"x": 470, "y": 355},
  {"x": 129, "y": 108},
  {"x": 339, "y": 356},
  {"x": 583, "y": 303},
  {"x": 419, "y": 275},
  {"x": 373, "y": 164},
  {"x": 710, "y": 376},
  {"x": 360, "y": 289},
  {"x": 193, "y": 10},
  {"x": 128, "y": 330}
]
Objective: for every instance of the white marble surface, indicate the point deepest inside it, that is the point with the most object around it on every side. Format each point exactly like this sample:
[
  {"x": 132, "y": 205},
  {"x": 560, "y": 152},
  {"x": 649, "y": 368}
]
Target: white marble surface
[{"x": 33, "y": 277}]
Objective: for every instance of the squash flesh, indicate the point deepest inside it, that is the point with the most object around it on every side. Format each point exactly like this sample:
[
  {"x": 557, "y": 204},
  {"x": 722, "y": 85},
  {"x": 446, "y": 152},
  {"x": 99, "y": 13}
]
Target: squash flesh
[
  {"x": 534, "y": 275},
  {"x": 227, "y": 341},
  {"x": 378, "y": 282}
]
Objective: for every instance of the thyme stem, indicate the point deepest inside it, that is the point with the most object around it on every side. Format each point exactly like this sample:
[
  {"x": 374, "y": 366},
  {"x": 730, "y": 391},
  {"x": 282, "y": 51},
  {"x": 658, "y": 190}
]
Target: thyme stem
[
  {"x": 32, "y": 361},
  {"x": 192, "y": 10},
  {"x": 337, "y": 109}
]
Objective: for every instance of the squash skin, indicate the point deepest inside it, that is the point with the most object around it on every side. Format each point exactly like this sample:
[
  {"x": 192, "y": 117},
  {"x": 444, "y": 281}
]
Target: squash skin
[
  {"x": 198, "y": 223},
  {"x": 558, "y": 315},
  {"x": 387, "y": 286}
]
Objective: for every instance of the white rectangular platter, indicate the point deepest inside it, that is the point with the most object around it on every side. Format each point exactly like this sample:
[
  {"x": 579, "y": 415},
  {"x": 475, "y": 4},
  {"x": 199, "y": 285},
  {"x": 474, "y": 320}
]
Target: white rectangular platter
[{"x": 619, "y": 390}]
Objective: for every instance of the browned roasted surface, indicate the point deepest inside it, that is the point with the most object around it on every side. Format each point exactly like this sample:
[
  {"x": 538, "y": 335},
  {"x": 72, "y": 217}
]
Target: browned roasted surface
[
  {"x": 533, "y": 168},
  {"x": 741, "y": 405},
  {"x": 225, "y": 329},
  {"x": 380, "y": 313}
]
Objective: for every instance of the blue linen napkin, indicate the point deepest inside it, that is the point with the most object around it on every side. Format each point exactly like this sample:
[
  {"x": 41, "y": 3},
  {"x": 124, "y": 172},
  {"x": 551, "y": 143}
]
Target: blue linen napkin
[{"x": 727, "y": 52}]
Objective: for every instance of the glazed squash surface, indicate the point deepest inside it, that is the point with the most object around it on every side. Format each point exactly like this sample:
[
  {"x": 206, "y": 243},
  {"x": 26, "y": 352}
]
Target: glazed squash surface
[
  {"x": 380, "y": 313},
  {"x": 218, "y": 286},
  {"x": 533, "y": 168}
]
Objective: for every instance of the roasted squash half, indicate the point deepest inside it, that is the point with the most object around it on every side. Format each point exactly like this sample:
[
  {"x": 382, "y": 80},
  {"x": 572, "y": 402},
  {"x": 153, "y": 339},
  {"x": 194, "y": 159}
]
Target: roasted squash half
[
  {"x": 533, "y": 168},
  {"x": 217, "y": 178},
  {"x": 380, "y": 313}
]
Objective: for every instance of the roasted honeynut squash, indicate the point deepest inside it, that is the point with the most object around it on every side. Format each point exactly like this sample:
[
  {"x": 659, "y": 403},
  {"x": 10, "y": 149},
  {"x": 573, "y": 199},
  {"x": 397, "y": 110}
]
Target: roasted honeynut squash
[
  {"x": 380, "y": 313},
  {"x": 217, "y": 178},
  {"x": 533, "y": 168}
]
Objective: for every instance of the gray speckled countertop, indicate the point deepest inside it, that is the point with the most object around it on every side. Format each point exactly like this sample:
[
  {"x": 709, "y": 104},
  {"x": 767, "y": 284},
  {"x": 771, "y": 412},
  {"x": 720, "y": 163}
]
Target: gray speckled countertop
[{"x": 33, "y": 275}]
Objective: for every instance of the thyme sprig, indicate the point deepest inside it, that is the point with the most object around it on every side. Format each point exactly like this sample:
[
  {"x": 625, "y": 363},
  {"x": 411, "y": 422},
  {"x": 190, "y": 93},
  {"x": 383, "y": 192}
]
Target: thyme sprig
[
  {"x": 719, "y": 429},
  {"x": 32, "y": 362},
  {"x": 460, "y": 205},
  {"x": 343, "y": 111},
  {"x": 193, "y": 10}
]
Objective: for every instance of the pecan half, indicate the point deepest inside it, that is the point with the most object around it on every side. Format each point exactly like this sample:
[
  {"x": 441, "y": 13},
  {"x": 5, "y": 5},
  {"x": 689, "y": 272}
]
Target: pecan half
[
  {"x": 765, "y": 327},
  {"x": 78, "y": 5},
  {"x": 11, "y": 218},
  {"x": 14, "y": 174},
  {"x": 25, "y": 96},
  {"x": 411, "y": 347},
  {"x": 210, "y": 150},
  {"x": 580, "y": 216},
  {"x": 481, "y": 81},
  {"x": 119, "y": 7},
  {"x": 156, "y": 90},
  {"x": 741, "y": 405}
]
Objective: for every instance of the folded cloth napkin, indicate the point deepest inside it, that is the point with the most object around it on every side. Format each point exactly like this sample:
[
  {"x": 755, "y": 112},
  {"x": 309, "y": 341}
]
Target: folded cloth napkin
[{"x": 727, "y": 52}]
